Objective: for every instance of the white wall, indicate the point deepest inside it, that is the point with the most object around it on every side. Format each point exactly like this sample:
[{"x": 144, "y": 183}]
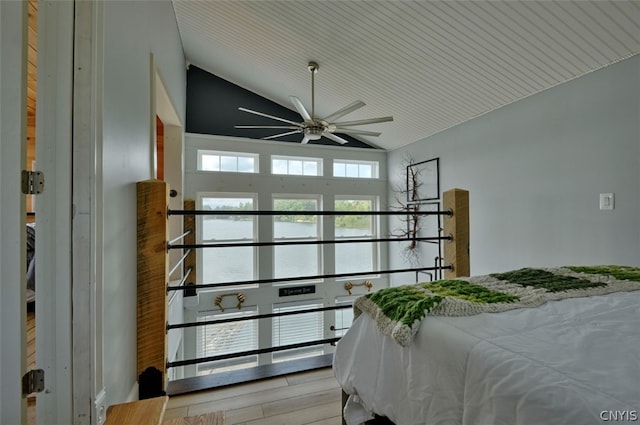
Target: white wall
[
  {"x": 133, "y": 31},
  {"x": 535, "y": 169}
]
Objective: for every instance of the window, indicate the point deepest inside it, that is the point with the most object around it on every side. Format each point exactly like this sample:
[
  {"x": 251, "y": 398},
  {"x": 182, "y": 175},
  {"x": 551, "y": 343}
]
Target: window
[
  {"x": 296, "y": 166},
  {"x": 297, "y": 328},
  {"x": 227, "y": 338},
  {"x": 234, "y": 162},
  {"x": 234, "y": 263},
  {"x": 357, "y": 256},
  {"x": 355, "y": 169},
  {"x": 296, "y": 260}
]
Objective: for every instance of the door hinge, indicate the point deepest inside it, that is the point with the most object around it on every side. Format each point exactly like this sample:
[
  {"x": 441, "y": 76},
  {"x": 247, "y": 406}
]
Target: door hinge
[
  {"x": 32, "y": 182},
  {"x": 33, "y": 382}
]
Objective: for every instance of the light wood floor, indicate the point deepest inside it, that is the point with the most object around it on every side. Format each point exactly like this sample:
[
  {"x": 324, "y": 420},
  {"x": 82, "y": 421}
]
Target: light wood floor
[{"x": 306, "y": 398}]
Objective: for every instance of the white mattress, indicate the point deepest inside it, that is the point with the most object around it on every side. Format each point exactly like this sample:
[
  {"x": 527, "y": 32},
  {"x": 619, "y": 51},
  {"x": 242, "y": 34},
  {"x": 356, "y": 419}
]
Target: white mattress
[{"x": 575, "y": 361}]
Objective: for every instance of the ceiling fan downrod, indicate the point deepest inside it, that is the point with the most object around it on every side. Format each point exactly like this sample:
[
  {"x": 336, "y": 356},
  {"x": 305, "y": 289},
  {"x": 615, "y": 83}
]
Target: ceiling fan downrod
[{"x": 313, "y": 68}]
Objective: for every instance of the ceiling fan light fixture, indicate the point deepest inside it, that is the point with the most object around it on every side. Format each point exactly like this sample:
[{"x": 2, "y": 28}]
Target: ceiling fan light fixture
[{"x": 313, "y": 132}]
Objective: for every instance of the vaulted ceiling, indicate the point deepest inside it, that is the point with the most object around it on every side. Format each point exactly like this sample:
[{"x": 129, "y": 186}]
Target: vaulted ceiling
[{"x": 430, "y": 64}]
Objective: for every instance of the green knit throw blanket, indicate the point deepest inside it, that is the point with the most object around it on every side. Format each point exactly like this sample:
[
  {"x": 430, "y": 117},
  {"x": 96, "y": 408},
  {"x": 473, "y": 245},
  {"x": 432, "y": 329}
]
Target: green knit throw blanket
[{"x": 398, "y": 311}]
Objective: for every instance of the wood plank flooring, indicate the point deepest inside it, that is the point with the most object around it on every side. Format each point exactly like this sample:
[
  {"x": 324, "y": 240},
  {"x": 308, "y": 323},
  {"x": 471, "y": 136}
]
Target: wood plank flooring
[
  {"x": 305, "y": 398},
  {"x": 251, "y": 374}
]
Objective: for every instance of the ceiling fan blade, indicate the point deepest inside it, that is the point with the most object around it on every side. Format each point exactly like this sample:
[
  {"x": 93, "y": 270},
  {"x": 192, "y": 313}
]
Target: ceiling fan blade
[
  {"x": 363, "y": 122},
  {"x": 335, "y": 138},
  {"x": 305, "y": 139},
  {"x": 300, "y": 108},
  {"x": 353, "y": 131},
  {"x": 269, "y": 116},
  {"x": 281, "y": 135},
  {"x": 290, "y": 127},
  {"x": 344, "y": 111}
]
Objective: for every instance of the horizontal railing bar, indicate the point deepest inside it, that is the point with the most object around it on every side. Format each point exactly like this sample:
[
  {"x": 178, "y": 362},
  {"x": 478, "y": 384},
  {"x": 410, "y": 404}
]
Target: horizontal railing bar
[
  {"x": 330, "y": 213},
  {"x": 302, "y": 278},
  {"x": 179, "y": 237},
  {"x": 179, "y": 261},
  {"x": 316, "y": 242},
  {"x": 250, "y": 352},
  {"x": 257, "y": 316}
]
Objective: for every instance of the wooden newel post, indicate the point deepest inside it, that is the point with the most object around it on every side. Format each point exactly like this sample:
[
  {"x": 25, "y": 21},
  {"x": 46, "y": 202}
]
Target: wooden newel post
[
  {"x": 153, "y": 275},
  {"x": 456, "y": 252}
]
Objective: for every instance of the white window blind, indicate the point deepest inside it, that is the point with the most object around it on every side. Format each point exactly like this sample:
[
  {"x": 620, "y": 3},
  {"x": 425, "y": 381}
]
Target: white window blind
[
  {"x": 343, "y": 317},
  {"x": 295, "y": 329},
  {"x": 227, "y": 338}
]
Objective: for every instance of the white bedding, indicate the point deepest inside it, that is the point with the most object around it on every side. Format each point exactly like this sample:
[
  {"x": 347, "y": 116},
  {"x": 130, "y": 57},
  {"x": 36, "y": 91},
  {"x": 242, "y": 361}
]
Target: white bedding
[{"x": 575, "y": 361}]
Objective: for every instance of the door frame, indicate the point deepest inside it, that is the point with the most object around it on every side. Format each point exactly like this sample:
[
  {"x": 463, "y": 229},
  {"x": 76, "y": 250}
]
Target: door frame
[
  {"x": 89, "y": 393},
  {"x": 54, "y": 211},
  {"x": 13, "y": 134}
]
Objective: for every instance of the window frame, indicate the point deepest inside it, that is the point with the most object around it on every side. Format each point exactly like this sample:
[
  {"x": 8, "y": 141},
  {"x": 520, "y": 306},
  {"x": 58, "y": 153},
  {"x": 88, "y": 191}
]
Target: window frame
[
  {"x": 318, "y": 161},
  {"x": 375, "y": 227},
  {"x": 319, "y": 227},
  {"x": 375, "y": 168},
  {"x": 200, "y": 239},
  {"x": 237, "y": 155}
]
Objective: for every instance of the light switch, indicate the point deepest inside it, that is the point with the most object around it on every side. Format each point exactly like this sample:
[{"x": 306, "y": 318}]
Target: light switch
[{"x": 606, "y": 201}]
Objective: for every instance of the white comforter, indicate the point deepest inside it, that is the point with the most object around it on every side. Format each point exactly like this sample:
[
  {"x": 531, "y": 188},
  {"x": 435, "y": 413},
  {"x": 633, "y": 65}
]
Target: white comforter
[{"x": 574, "y": 362}]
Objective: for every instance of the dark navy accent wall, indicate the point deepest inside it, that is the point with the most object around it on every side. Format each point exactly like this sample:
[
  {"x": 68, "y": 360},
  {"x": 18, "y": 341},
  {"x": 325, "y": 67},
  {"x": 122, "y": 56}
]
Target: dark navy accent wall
[{"x": 212, "y": 108}]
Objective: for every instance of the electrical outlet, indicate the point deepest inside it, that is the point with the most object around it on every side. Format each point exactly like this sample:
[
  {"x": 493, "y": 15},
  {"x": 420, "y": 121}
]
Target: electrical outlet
[{"x": 606, "y": 201}]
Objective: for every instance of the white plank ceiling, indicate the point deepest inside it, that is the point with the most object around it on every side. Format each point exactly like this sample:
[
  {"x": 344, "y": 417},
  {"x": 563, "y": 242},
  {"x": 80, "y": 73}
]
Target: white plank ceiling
[{"x": 430, "y": 64}]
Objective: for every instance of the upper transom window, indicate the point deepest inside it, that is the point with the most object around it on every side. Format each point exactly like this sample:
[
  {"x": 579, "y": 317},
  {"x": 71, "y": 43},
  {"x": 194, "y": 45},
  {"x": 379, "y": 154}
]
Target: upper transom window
[
  {"x": 355, "y": 169},
  {"x": 296, "y": 165},
  {"x": 233, "y": 162}
]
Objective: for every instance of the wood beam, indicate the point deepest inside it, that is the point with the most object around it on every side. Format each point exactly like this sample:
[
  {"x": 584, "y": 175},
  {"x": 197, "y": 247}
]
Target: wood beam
[
  {"x": 456, "y": 251},
  {"x": 153, "y": 274}
]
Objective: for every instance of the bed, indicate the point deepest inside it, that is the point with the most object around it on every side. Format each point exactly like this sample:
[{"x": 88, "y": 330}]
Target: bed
[{"x": 555, "y": 355}]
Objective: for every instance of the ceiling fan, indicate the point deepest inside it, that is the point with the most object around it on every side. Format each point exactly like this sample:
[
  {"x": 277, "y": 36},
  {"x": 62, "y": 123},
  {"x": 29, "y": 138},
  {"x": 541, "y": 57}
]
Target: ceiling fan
[{"x": 314, "y": 128}]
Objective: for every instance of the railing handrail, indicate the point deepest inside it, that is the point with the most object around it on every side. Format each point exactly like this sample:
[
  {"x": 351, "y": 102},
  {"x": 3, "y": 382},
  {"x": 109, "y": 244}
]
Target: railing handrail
[
  {"x": 255, "y": 316},
  {"x": 303, "y": 278},
  {"x": 251, "y": 352},
  {"x": 311, "y": 213},
  {"x": 306, "y": 242}
]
